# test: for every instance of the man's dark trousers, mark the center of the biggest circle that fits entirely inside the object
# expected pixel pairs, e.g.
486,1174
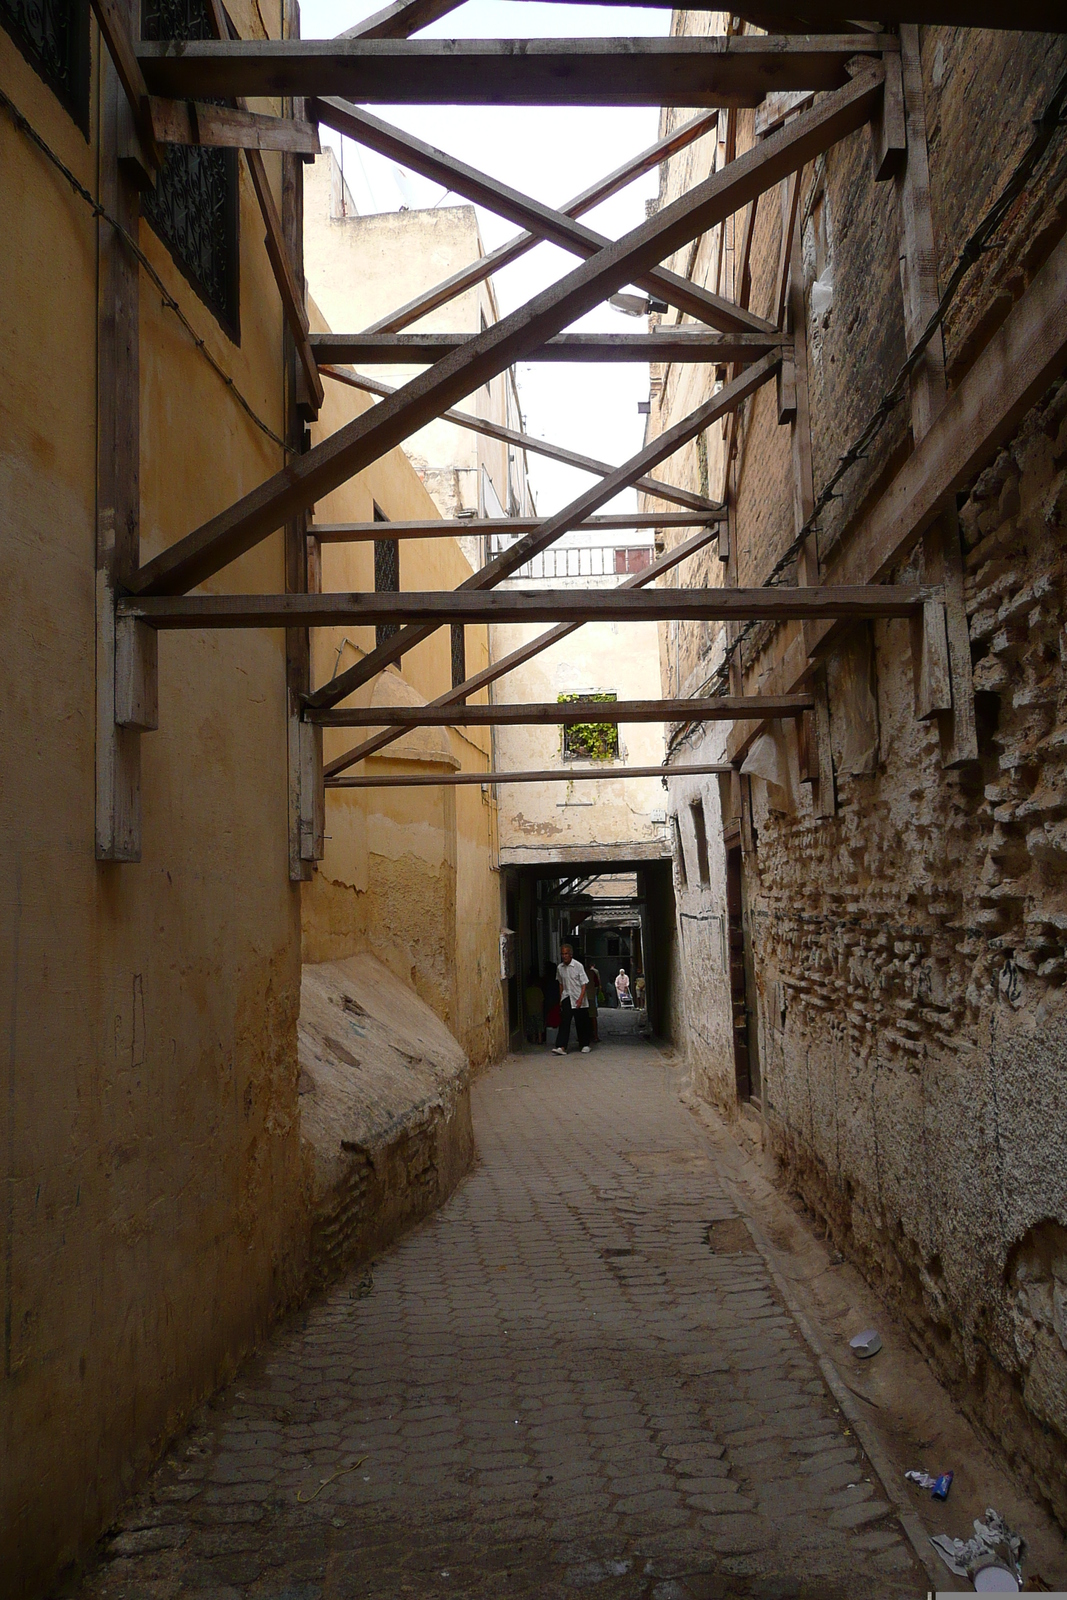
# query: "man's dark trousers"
582,1026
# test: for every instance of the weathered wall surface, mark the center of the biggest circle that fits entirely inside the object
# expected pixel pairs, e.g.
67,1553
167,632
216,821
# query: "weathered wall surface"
407,874
561,821
361,268
148,1011
384,1109
908,952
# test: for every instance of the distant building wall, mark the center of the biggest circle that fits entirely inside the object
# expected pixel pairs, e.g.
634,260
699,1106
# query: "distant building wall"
361,268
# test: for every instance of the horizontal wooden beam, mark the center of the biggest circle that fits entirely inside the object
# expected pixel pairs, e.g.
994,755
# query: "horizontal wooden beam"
670,344
500,668
227,127
309,477
810,16
518,605
456,527
543,220
476,272
553,713
714,71
448,780
530,443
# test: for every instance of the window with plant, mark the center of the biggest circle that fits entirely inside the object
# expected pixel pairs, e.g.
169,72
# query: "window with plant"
595,741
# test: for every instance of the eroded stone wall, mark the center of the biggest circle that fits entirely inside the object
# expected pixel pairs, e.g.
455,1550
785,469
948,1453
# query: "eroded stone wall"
908,953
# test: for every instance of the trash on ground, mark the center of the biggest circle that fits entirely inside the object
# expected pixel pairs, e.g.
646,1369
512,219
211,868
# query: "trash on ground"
938,1485
994,1556
866,1344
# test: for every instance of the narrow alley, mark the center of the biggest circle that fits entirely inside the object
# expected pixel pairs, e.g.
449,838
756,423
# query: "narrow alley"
533,800
575,1378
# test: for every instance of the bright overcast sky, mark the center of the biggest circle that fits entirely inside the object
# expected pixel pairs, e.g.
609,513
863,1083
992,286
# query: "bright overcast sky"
552,154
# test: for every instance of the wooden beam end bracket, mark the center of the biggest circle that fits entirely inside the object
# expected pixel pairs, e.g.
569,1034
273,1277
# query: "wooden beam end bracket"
889,140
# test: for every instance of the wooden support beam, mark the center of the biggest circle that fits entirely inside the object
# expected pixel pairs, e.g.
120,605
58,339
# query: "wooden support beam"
526,652
454,527
666,344
553,713
227,127
534,446
357,609
367,437
113,18
292,295
889,139
811,16
445,780
401,20
705,71
477,271
125,689
509,561
547,223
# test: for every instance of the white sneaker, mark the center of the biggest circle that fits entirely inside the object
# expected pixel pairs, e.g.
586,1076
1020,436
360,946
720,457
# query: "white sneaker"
585,1049
558,1052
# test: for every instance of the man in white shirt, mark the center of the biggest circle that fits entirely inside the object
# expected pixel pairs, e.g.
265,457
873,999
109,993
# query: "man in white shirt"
573,1002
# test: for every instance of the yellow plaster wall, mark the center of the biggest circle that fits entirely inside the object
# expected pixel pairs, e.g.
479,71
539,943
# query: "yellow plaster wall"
152,1190
407,873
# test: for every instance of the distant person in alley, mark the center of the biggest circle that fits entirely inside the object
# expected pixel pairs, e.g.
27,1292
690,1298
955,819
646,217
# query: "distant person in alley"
622,988
573,1002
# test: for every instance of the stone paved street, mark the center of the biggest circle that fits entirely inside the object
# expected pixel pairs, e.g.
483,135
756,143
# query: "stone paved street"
576,1380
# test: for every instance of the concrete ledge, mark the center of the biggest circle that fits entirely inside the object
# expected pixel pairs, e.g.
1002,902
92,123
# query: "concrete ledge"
384,1109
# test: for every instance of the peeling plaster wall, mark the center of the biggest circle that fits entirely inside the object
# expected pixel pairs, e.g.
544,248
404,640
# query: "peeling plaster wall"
909,953
153,1214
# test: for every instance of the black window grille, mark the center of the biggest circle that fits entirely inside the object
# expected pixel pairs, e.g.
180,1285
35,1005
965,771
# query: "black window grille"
53,35
459,654
194,205
386,576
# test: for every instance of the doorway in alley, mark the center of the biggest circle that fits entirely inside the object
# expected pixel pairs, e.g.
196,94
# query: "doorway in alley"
743,1016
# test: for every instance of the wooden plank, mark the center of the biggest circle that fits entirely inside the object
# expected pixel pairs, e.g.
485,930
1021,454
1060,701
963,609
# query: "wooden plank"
136,676
113,18
1033,16
889,139
472,606
444,780
526,652
534,446
382,137
706,71
300,752
291,293
227,127
400,20
453,527
553,713
477,271
118,499
367,437
666,344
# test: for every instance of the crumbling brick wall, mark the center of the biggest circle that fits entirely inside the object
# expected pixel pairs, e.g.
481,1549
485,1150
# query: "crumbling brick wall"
909,952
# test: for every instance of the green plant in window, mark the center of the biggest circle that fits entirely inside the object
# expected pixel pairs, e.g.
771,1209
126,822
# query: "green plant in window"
596,741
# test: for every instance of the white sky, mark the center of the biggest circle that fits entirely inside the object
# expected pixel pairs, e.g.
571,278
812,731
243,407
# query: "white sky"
552,154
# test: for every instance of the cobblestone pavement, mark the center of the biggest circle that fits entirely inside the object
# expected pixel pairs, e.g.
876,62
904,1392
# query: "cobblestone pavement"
574,1381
